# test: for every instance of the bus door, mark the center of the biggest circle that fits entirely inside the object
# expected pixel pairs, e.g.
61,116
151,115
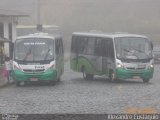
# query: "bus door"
108,55
98,54
104,56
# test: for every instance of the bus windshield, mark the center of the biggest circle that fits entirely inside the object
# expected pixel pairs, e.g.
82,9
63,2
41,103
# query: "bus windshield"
133,48
34,50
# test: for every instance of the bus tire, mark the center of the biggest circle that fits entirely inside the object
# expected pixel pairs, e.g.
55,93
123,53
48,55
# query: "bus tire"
112,76
18,83
52,82
83,71
58,79
89,76
146,80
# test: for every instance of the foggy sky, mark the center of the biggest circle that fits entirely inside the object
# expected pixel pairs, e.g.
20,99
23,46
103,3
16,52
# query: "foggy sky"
134,16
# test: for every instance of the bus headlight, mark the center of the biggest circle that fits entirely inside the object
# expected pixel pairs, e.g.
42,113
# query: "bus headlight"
151,66
120,65
50,67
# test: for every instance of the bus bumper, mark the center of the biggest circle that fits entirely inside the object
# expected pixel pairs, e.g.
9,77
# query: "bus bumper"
44,76
132,74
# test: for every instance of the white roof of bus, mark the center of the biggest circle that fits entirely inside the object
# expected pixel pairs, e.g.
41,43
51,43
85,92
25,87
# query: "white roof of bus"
39,35
109,35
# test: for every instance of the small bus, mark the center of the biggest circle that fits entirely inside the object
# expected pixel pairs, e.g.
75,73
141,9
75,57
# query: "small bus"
38,57
116,56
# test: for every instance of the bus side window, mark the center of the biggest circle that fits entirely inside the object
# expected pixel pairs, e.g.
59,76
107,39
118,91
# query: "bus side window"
98,47
74,48
81,45
75,44
61,46
57,47
104,48
110,49
86,47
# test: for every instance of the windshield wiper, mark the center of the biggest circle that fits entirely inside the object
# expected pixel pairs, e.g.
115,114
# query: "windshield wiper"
126,50
142,52
129,52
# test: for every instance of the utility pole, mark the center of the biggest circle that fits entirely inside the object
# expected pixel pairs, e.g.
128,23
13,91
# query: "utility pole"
39,24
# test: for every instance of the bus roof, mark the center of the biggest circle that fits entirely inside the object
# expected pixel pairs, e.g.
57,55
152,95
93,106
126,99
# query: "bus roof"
108,35
40,35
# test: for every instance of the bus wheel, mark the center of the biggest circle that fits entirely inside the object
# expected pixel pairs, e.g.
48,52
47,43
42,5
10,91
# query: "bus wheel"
58,79
112,77
52,82
145,80
89,76
18,83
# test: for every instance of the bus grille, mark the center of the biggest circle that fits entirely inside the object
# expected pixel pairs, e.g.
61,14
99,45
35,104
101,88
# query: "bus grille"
132,68
33,71
135,74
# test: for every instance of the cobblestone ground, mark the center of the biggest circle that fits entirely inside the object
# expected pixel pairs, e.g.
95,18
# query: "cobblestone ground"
73,94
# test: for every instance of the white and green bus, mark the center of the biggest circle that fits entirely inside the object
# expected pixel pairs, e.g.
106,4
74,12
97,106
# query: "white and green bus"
116,56
38,57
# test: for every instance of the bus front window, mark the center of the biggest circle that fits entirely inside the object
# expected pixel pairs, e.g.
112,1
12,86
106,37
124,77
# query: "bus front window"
133,48
34,50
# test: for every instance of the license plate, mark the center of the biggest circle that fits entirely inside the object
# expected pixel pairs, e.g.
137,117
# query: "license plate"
136,77
33,79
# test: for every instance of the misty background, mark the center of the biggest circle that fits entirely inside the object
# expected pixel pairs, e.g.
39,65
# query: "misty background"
132,16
